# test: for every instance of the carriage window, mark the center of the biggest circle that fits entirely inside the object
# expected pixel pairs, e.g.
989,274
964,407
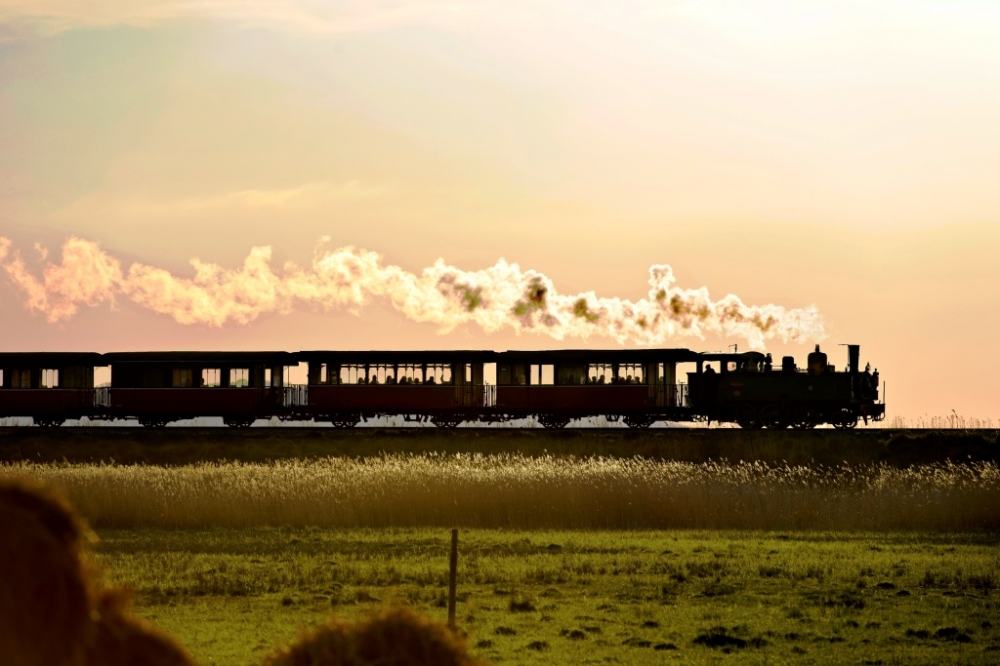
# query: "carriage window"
182,378
408,374
600,373
631,373
21,378
239,377
1,377
438,373
468,373
571,374
382,374
50,378
211,377
353,374
543,374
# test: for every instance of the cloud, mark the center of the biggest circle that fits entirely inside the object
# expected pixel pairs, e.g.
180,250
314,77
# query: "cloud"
308,195
53,16
502,296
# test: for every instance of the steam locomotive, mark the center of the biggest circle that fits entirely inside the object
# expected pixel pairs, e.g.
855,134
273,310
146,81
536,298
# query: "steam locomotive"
636,387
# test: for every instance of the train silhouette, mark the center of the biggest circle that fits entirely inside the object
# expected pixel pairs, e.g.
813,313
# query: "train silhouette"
637,387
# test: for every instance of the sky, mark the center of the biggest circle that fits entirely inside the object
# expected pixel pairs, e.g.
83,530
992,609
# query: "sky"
300,174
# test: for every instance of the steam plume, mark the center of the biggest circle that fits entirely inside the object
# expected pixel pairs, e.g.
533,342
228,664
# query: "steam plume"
493,298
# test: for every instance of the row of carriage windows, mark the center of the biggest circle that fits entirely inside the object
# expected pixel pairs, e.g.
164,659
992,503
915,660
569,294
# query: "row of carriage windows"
21,378
209,377
386,374
591,374
402,374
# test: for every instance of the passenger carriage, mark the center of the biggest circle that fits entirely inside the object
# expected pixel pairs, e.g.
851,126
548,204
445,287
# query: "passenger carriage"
48,387
444,387
159,387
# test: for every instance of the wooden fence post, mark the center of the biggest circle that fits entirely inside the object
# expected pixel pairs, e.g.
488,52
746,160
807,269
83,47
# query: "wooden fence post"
452,578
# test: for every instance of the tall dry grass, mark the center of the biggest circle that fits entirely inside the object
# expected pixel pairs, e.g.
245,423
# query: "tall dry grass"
512,491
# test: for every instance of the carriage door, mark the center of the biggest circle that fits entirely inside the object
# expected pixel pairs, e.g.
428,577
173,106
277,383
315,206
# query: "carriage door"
657,385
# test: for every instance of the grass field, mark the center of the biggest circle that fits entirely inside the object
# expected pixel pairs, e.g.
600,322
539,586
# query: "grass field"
572,597
518,492
870,559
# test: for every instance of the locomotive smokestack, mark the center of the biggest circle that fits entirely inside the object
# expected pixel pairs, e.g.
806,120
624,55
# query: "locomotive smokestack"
854,357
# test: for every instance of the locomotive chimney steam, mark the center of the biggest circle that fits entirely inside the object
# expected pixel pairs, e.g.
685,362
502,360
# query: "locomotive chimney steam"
494,298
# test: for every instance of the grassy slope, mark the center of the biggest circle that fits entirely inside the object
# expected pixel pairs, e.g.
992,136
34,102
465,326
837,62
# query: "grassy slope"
173,446
582,597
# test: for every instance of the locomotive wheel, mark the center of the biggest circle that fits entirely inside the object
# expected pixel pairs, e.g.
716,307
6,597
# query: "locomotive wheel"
641,421
845,420
798,420
552,421
772,418
746,417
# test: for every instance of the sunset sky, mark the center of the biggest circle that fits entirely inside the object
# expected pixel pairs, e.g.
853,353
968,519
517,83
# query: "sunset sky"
837,155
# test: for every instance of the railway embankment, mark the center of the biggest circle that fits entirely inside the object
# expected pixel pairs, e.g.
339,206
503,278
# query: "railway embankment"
178,446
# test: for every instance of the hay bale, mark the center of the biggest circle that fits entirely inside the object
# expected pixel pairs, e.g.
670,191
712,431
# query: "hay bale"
45,591
122,639
54,607
396,636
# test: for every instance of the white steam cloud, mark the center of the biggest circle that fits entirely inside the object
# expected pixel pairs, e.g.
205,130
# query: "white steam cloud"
498,297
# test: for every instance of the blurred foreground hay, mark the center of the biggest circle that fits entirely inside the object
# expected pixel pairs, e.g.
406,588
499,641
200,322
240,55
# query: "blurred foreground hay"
397,636
54,607
512,491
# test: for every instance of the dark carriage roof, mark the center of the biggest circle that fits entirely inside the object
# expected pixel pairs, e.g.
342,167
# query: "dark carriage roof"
48,359
730,356
203,357
397,357
601,356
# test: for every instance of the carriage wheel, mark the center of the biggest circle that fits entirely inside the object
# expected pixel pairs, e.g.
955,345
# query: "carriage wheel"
153,422
638,421
448,422
553,421
344,422
773,418
49,422
746,417
239,423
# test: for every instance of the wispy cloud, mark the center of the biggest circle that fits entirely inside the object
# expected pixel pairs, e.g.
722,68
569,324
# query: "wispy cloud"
53,16
312,194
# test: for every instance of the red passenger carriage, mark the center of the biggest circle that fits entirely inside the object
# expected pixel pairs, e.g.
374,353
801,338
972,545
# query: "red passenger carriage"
446,387
638,386
49,387
159,387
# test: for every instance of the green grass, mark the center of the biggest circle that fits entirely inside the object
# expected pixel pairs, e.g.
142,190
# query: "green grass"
582,596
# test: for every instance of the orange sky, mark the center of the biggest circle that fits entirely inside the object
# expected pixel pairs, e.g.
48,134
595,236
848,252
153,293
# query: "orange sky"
835,155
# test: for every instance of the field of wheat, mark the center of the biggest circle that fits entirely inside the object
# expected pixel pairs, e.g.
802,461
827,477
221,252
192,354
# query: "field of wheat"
520,492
